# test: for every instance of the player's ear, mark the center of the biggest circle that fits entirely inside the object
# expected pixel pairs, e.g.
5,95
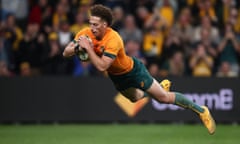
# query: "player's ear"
105,24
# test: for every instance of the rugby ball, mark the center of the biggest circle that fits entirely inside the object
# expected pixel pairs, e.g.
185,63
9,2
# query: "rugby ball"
82,54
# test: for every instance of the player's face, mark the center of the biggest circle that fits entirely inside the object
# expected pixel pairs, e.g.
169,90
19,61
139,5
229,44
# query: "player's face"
97,26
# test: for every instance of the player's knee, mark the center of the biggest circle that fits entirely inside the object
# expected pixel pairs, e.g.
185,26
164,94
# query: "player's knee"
169,98
133,100
166,98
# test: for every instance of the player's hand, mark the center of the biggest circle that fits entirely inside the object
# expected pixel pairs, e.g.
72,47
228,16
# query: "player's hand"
84,43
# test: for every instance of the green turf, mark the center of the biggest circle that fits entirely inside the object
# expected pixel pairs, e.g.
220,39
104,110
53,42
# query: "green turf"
117,134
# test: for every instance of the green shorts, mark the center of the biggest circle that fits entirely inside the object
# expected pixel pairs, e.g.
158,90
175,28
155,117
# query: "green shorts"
138,77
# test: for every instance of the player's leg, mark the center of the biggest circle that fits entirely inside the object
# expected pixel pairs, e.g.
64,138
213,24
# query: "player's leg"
133,94
158,93
172,97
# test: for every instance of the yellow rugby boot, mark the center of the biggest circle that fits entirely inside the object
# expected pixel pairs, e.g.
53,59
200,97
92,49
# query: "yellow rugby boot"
166,84
208,120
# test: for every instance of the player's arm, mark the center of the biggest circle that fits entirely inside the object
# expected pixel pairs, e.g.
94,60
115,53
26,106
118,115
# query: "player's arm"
101,63
70,49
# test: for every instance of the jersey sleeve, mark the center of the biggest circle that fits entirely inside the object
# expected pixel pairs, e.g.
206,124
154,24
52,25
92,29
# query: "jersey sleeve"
113,46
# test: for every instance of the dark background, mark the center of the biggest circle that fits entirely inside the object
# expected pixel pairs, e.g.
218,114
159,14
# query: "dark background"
74,99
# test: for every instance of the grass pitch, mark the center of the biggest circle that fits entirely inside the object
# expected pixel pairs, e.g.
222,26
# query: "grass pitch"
117,134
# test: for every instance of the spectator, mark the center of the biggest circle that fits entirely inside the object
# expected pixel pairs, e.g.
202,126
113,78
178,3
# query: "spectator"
133,48
54,63
153,41
201,64
53,45
183,30
41,14
234,19
18,7
226,10
39,11
66,4
12,35
80,23
118,14
206,8
172,3
225,70
69,9
32,48
157,21
13,32
142,15
25,69
205,40
60,14
174,66
166,11
207,25
229,48
64,34
173,44
130,31
84,6
148,25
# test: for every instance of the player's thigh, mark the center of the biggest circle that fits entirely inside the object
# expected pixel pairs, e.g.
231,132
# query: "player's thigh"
133,94
157,92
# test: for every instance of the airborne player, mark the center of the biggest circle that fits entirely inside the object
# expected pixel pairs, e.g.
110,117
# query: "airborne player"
128,74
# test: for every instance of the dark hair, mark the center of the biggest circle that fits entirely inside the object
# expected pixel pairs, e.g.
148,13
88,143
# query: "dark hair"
103,12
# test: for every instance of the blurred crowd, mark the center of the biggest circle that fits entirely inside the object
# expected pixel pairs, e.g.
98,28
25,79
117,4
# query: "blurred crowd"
198,38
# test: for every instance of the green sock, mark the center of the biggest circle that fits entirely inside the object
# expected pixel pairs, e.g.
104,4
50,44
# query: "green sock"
182,101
